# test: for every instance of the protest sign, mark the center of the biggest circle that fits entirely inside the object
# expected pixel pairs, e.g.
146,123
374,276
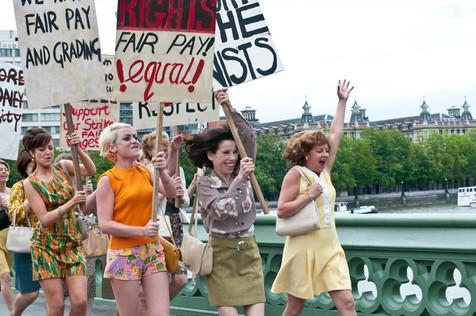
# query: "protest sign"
109,75
164,50
60,51
89,120
12,97
244,49
175,114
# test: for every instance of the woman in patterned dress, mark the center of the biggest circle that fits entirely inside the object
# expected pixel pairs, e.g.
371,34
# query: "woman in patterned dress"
134,256
56,243
314,262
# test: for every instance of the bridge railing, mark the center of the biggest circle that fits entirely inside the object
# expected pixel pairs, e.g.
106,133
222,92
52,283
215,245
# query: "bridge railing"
402,264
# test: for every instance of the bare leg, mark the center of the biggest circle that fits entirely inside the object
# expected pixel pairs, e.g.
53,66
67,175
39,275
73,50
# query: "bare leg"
157,305
77,289
54,296
22,301
127,296
294,306
344,302
89,308
7,292
227,311
254,310
177,282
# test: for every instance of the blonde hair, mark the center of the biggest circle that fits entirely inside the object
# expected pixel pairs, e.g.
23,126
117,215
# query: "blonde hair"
108,137
301,144
148,143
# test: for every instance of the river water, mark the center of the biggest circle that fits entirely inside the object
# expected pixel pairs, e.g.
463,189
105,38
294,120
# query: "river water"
433,209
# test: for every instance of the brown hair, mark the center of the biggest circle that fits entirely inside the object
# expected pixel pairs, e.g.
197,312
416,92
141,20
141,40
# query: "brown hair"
22,163
148,143
301,144
36,137
198,145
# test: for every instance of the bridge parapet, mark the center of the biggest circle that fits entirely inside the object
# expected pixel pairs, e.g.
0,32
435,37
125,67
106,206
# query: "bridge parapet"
400,264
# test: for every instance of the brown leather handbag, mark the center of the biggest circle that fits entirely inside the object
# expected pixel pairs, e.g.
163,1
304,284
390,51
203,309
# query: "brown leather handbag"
173,255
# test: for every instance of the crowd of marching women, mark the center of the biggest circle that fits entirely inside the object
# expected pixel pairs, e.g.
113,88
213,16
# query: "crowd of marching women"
137,262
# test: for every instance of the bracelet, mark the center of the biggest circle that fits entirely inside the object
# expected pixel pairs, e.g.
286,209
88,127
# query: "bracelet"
310,197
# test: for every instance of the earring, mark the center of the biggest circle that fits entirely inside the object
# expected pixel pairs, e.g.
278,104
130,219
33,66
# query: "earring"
307,157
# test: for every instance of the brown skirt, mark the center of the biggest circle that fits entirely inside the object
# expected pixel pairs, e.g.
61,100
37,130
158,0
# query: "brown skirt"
237,276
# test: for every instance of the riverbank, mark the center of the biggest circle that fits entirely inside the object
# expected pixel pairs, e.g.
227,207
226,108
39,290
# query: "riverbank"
408,199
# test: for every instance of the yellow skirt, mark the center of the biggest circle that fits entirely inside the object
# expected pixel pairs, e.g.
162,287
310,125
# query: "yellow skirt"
312,263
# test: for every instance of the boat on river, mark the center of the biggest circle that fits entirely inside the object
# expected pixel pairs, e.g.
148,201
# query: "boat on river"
466,196
341,207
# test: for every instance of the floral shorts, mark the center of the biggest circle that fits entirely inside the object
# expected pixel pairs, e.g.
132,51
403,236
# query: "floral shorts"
134,263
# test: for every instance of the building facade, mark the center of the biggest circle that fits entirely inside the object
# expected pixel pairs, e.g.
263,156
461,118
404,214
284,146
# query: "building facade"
458,121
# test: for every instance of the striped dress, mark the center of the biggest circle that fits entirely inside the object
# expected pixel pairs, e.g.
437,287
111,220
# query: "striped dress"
56,248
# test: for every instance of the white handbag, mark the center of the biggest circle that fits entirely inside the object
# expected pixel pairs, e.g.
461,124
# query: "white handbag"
304,221
197,255
19,237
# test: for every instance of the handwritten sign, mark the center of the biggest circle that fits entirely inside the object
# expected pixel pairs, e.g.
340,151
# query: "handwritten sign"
145,114
89,119
60,50
12,97
109,75
244,49
164,50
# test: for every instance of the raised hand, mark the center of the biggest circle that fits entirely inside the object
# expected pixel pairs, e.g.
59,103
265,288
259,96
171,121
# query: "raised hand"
72,139
159,161
223,98
247,167
343,90
177,140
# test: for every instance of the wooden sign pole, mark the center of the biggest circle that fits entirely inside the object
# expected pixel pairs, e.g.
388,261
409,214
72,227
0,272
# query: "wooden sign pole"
74,149
158,144
243,154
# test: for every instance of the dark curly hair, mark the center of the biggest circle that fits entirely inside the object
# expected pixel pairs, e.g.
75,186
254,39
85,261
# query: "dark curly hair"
198,145
301,144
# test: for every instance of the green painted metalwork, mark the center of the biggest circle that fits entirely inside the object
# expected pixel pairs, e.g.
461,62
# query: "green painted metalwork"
401,264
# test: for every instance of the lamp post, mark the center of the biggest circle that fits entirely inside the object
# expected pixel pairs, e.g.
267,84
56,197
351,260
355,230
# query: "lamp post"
403,188
446,185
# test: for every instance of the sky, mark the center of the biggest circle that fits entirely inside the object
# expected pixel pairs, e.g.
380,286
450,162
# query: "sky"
395,53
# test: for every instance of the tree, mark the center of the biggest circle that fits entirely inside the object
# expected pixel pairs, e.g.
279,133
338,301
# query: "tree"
270,167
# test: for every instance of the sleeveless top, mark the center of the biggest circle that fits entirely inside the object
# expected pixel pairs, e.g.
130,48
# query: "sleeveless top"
132,202
55,193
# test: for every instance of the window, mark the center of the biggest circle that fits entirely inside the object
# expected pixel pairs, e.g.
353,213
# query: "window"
24,129
17,52
30,117
50,117
5,52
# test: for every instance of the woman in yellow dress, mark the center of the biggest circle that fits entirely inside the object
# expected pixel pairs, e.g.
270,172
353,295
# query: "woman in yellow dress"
314,262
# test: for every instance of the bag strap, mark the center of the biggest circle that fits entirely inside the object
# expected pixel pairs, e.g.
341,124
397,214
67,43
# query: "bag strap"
194,219
14,222
303,174
168,226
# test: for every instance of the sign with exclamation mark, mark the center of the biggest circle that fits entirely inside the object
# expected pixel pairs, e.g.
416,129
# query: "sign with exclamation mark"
165,50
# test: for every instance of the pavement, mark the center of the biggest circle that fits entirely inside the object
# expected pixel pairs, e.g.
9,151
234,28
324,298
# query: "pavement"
100,308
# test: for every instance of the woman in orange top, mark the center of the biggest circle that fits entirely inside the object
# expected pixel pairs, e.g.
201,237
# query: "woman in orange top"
135,255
